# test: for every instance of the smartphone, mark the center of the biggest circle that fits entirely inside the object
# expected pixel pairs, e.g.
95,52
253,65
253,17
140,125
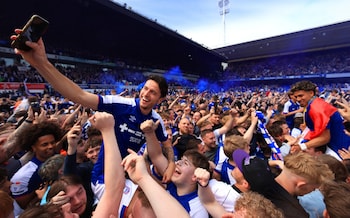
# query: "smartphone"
32,31
35,107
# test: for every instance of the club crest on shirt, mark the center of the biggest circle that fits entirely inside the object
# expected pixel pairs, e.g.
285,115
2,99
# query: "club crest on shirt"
132,118
126,189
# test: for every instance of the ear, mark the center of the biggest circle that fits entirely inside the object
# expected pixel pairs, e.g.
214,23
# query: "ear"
60,171
348,179
325,214
300,186
33,148
245,184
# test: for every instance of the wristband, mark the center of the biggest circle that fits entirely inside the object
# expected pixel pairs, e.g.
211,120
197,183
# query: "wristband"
204,186
28,121
303,146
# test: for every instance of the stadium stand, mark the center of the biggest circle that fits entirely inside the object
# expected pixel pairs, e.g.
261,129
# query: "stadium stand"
106,31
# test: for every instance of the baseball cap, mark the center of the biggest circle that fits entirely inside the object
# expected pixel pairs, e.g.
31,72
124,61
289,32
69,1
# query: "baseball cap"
239,155
254,169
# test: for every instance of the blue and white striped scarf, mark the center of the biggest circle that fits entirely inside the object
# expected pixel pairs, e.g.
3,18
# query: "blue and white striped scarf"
276,153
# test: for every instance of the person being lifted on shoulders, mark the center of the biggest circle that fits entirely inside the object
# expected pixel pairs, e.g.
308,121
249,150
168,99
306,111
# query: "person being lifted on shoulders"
129,113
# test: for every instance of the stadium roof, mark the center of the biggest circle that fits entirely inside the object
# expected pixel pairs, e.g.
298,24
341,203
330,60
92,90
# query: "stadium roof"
105,28
316,39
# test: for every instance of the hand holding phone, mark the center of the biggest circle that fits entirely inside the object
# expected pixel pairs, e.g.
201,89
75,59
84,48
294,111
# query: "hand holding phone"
35,107
32,31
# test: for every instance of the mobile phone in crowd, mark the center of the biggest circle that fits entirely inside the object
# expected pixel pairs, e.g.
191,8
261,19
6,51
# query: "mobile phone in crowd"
35,107
32,31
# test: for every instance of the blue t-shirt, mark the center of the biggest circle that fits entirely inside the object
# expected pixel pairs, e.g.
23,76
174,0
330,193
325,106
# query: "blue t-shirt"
128,118
190,202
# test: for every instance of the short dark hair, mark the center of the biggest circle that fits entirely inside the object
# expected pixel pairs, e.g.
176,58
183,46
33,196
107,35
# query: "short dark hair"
162,83
304,85
206,131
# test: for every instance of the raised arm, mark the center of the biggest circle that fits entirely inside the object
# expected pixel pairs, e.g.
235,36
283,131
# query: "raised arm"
205,194
70,161
114,172
204,118
229,123
170,207
10,146
164,165
37,58
154,149
248,135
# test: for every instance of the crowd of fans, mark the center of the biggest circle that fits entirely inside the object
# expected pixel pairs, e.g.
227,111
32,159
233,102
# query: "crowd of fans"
324,62
263,151
195,121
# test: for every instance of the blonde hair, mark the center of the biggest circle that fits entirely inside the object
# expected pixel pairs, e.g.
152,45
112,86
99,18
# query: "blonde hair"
255,205
232,143
308,167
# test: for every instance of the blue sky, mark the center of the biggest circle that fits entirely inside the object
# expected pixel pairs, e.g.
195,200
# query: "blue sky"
248,20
